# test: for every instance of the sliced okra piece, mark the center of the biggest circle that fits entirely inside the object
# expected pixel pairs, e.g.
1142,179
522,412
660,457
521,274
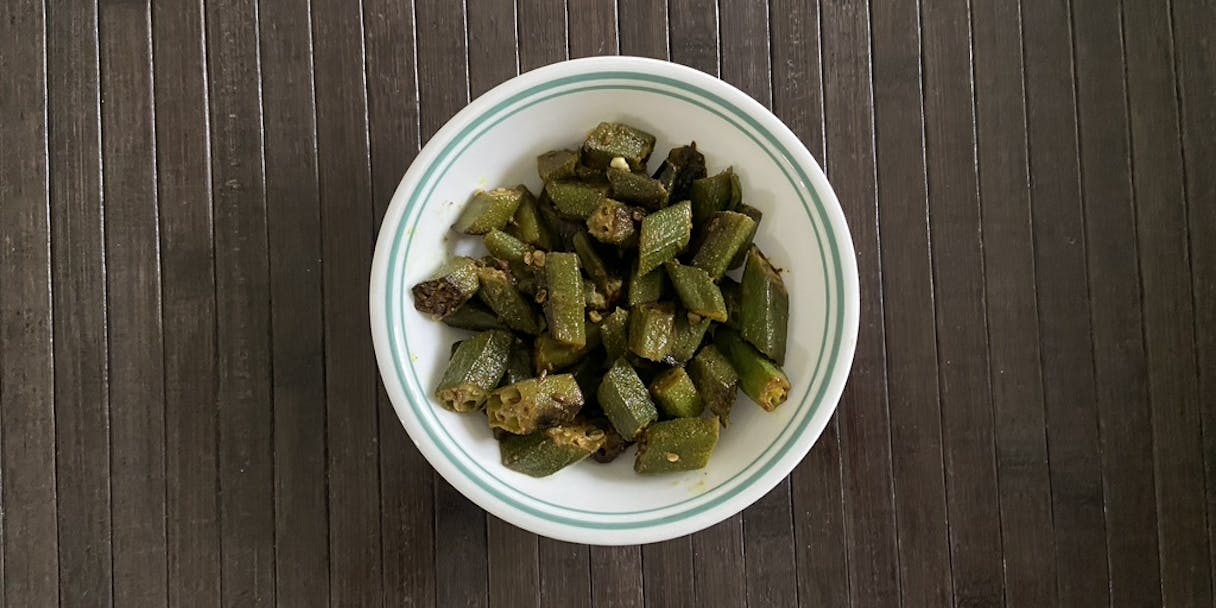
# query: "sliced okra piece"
683,166
556,164
715,380
689,333
565,306
651,328
546,452
764,312
614,332
675,394
625,400
665,233
732,295
712,194
637,188
697,291
561,229
682,444
614,444
519,364
612,222
597,270
474,316
760,378
535,403
448,289
727,234
575,200
474,370
490,209
529,226
506,247
550,355
644,288
499,293
756,216
611,139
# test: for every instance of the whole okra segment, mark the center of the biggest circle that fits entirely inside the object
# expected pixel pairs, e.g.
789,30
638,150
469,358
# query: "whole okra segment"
610,140
651,329
665,233
646,288
445,292
710,195
546,452
689,333
637,188
575,200
565,305
535,403
556,164
675,394
625,400
506,247
697,291
612,222
682,444
764,311
716,381
499,293
491,209
760,378
529,225
727,234
683,166
474,370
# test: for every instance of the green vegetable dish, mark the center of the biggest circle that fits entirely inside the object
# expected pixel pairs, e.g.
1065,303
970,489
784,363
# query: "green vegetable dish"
606,313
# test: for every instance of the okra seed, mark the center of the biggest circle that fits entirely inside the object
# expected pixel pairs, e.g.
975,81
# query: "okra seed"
673,457
595,316
619,163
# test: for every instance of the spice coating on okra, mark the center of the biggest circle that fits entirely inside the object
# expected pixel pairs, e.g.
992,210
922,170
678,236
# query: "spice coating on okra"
535,403
665,233
764,310
473,371
682,444
491,209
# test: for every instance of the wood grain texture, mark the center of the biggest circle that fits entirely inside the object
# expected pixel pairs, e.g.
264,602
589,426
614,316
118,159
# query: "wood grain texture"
296,325
592,27
616,577
82,420
514,578
565,573
183,163
642,28
542,34
1022,472
1159,182
693,34
665,574
1114,285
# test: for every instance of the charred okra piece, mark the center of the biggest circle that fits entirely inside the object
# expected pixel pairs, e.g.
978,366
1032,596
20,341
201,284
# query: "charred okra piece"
715,380
556,164
625,400
474,370
644,288
575,200
529,226
697,291
565,306
612,223
448,289
683,166
637,188
546,452
491,209
727,234
610,140
665,233
709,195
499,293
519,364
764,311
535,403
675,394
474,316
760,379
650,330
593,264
550,355
689,333
614,332
683,444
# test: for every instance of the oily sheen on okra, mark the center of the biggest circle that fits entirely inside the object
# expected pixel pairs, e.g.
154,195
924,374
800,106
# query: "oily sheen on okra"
605,313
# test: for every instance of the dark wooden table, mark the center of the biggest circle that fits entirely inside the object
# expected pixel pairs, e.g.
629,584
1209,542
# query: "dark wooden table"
189,194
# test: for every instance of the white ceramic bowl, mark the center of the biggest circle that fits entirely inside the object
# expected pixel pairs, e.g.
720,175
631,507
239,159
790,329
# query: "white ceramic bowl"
495,141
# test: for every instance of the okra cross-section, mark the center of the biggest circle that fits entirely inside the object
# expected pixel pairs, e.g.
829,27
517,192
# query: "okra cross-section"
546,452
760,378
625,400
764,311
683,444
610,140
448,289
727,234
612,223
665,233
474,369
500,294
715,380
535,403
565,304
651,329
697,291
675,394
490,209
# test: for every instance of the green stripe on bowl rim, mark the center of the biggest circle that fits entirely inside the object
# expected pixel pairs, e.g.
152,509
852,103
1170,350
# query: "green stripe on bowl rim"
396,297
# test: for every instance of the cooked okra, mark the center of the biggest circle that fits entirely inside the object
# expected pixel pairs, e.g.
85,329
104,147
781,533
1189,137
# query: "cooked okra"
474,370
764,310
682,444
625,400
553,312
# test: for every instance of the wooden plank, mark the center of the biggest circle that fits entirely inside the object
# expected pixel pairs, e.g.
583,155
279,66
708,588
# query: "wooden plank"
592,25
82,438
242,278
1063,301
665,574
1196,73
693,34
816,490
1012,312
301,521
1159,181
28,559
406,485
514,578
183,166
1114,293
565,574
137,397
541,31
958,278
720,574
916,432
493,53
642,28
864,421
616,577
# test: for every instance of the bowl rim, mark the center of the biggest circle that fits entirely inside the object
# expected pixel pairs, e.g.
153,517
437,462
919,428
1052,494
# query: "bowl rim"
832,385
